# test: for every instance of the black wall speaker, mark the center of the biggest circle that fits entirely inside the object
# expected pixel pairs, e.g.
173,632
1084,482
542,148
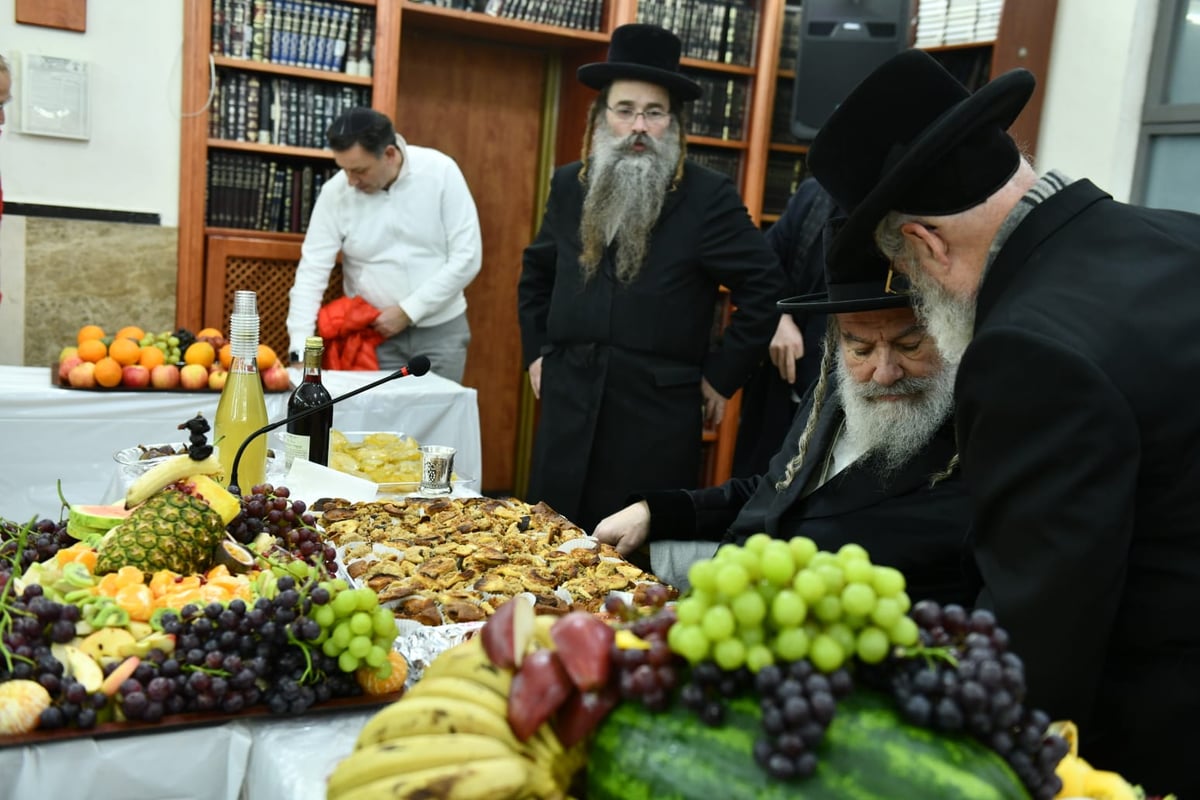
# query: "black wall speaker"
841,42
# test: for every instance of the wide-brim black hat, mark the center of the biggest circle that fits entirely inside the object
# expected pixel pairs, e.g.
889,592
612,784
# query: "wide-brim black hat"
911,138
642,53
864,282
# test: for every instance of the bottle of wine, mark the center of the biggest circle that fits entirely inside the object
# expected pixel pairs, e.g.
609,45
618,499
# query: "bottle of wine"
308,438
242,408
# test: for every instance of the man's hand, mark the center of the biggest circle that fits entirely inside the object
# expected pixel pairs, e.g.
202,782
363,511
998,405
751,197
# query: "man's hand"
391,320
627,529
714,403
787,345
535,377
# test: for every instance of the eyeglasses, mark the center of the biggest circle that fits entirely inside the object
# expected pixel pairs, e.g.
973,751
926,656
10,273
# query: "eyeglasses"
653,116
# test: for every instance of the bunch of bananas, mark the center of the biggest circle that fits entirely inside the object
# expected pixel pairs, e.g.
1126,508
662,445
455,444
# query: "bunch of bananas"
449,737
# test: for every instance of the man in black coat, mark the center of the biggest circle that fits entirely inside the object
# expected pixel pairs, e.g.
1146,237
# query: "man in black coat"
1080,321
869,459
618,292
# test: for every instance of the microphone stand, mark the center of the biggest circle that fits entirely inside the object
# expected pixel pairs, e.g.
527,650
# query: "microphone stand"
233,482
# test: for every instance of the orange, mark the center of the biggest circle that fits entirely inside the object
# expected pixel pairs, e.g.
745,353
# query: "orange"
88,332
108,372
131,332
151,357
209,332
125,351
137,599
266,357
226,356
201,353
92,350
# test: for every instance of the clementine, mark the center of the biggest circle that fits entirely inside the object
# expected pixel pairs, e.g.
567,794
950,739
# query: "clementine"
131,332
266,357
226,356
92,350
201,353
125,351
151,357
88,332
108,372
209,332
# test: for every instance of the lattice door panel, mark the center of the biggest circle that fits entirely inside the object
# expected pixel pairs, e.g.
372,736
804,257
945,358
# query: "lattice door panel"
271,279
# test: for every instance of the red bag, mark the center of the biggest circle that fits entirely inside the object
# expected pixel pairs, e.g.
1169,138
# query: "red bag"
345,325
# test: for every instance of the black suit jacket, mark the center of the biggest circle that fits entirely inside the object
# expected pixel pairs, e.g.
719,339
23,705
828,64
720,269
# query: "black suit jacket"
1080,436
902,520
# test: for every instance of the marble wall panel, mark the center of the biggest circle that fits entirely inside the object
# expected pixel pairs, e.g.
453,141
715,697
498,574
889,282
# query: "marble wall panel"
103,273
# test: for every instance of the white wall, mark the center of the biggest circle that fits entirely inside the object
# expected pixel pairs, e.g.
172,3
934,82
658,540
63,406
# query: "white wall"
1095,89
131,162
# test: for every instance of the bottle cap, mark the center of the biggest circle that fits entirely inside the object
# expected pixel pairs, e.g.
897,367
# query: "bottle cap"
314,341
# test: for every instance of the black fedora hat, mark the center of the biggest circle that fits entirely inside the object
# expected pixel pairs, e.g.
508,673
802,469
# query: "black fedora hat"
861,282
911,138
642,53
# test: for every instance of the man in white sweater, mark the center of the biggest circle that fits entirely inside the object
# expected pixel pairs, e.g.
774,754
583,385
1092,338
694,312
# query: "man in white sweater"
405,223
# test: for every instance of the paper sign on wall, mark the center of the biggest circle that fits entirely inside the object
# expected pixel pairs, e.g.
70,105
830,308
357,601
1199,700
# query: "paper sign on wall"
54,97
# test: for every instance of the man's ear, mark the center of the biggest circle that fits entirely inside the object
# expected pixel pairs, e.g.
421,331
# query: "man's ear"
929,244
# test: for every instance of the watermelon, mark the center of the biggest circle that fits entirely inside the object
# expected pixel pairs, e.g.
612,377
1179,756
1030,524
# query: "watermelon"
84,521
869,753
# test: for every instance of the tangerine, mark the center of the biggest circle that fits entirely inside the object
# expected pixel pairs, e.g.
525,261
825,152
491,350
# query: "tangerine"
201,353
88,332
210,332
266,357
151,357
226,356
91,350
125,351
108,372
131,332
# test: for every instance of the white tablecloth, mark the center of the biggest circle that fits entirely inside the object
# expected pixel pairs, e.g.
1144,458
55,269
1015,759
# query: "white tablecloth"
49,433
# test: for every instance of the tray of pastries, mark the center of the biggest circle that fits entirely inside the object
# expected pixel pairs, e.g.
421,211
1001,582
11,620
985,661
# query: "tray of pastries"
455,559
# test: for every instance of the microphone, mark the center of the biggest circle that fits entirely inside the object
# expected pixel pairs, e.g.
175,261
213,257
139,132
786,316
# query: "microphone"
417,367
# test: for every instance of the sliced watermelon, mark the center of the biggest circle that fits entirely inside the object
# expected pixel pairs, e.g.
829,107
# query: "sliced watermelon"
84,521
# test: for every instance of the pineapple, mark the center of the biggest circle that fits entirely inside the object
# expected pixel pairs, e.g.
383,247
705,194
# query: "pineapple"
172,530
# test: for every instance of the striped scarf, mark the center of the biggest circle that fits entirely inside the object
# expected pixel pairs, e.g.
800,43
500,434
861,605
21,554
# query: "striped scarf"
1047,185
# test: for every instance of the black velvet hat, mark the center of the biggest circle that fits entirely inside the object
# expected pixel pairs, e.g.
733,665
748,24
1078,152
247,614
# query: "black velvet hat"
642,53
863,282
911,138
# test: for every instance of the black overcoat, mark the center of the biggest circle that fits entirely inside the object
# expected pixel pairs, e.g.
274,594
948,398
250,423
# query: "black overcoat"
904,520
1080,436
621,369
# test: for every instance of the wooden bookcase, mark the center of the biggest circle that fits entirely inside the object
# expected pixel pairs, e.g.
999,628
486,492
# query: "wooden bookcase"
1024,39
498,95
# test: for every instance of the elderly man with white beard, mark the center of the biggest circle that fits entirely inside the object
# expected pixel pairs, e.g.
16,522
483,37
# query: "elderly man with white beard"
618,292
870,458
1078,320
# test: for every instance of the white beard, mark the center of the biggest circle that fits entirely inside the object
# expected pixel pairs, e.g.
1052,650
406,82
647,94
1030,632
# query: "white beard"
894,431
948,318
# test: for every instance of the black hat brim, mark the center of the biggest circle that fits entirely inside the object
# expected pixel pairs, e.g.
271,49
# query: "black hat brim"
822,304
601,74
997,103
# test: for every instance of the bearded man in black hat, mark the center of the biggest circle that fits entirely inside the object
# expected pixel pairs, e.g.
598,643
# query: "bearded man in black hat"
618,291
1080,321
870,457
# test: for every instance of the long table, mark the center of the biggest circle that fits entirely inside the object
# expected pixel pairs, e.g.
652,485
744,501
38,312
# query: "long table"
49,433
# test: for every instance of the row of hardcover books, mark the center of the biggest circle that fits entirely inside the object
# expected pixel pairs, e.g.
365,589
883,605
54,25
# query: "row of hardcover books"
256,193
784,173
297,33
578,14
250,108
712,30
721,109
725,161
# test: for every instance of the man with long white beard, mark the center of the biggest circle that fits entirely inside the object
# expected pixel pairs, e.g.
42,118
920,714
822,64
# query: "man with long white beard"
618,291
1078,320
870,458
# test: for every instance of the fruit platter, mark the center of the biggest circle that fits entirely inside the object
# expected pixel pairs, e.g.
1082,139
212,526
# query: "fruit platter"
134,360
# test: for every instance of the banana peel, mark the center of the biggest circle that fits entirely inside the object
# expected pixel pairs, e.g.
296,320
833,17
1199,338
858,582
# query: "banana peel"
1081,780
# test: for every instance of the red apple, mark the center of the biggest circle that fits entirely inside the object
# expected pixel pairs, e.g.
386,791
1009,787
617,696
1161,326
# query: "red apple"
83,375
135,376
216,378
194,376
67,352
507,633
538,689
164,376
119,675
583,712
66,365
584,643
276,378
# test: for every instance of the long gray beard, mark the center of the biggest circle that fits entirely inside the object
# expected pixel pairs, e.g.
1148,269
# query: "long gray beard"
950,320
892,432
625,195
